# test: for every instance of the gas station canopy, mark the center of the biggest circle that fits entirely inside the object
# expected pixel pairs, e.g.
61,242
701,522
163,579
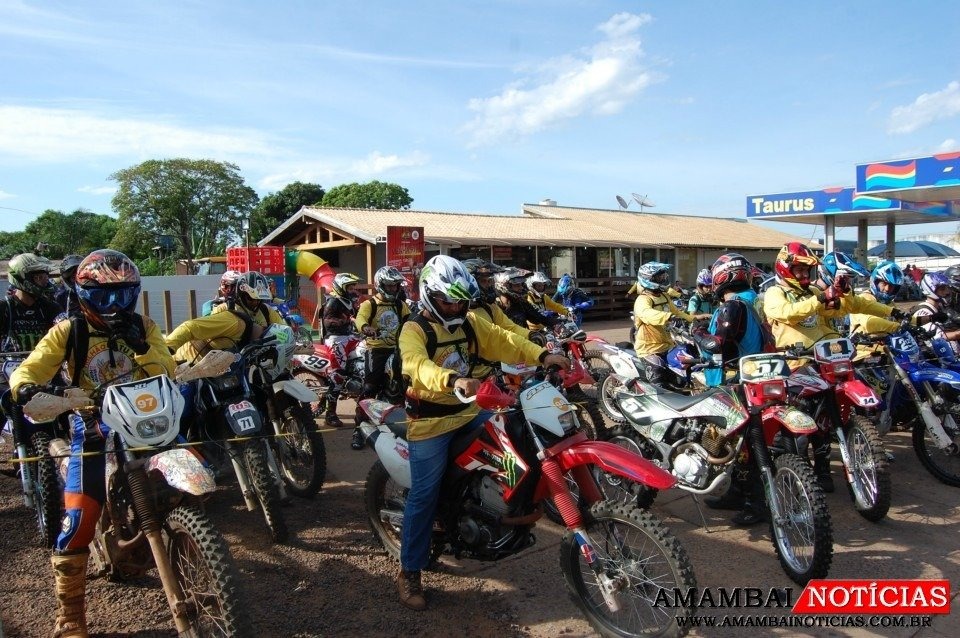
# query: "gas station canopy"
922,190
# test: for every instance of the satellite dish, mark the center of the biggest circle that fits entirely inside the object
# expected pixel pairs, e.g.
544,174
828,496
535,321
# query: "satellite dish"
643,201
623,203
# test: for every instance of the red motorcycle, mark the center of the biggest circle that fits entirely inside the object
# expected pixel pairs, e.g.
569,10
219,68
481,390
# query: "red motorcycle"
845,407
615,558
321,371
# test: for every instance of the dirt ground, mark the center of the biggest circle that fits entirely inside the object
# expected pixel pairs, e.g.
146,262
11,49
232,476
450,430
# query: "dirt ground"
333,580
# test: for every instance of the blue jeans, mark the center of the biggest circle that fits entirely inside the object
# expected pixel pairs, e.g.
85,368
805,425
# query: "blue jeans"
428,464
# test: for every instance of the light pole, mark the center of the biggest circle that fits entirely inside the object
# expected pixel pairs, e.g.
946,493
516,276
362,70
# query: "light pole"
245,224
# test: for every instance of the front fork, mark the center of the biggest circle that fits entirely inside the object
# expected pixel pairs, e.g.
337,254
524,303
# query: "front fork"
761,456
930,419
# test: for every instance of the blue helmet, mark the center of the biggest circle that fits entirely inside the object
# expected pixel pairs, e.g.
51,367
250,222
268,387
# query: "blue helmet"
838,262
565,284
889,272
933,280
653,275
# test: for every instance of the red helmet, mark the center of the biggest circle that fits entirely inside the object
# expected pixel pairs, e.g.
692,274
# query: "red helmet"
790,256
729,271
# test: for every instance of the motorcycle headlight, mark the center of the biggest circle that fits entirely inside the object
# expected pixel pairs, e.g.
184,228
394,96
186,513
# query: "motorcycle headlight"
569,421
153,428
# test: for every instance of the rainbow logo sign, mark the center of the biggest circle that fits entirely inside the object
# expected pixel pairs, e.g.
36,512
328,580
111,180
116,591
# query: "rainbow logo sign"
895,175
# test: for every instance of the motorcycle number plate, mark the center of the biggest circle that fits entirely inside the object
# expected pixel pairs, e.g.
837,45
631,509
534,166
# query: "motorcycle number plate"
314,362
233,408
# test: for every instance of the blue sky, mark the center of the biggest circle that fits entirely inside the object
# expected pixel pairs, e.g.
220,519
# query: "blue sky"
476,106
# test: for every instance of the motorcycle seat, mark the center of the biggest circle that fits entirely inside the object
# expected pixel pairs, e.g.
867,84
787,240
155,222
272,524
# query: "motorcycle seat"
681,402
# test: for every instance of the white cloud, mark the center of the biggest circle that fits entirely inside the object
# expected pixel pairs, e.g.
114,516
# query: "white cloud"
98,190
600,80
6,195
926,109
948,145
64,135
331,172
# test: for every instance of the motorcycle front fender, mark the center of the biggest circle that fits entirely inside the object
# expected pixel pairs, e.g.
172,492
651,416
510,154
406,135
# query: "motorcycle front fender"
616,460
919,375
857,393
295,389
182,470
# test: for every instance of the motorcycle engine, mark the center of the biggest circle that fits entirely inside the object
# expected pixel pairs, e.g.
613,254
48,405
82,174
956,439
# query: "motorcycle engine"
691,467
705,447
479,524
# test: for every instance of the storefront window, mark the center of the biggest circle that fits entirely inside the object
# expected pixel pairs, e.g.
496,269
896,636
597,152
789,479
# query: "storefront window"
555,262
587,265
518,256
470,252
621,262
647,255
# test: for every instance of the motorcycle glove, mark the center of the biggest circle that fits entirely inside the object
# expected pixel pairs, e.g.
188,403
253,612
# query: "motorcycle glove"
831,298
939,317
897,315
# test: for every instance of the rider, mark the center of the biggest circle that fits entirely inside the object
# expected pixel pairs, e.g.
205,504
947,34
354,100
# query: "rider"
703,299
337,322
227,282
224,331
572,298
934,308
28,310
436,415
885,282
379,319
65,294
652,310
484,305
251,295
511,297
953,276
800,313
536,286
738,327
107,285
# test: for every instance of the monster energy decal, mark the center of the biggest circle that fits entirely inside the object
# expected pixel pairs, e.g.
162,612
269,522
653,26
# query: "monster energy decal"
457,291
510,468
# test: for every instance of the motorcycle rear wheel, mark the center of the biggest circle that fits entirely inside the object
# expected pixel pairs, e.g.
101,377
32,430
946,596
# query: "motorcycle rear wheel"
385,501
205,574
300,451
599,369
588,413
943,464
47,490
803,540
316,384
870,489
268,493
641,558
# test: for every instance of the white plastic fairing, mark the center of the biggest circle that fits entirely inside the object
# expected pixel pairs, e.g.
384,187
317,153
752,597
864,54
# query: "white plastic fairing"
519,369
543,405
145,413
395,455
182,470
295,389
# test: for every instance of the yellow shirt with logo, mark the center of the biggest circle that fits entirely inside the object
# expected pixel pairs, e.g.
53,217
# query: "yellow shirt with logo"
386,320
802,318
543,304
48,358
430,377
651,313
261,318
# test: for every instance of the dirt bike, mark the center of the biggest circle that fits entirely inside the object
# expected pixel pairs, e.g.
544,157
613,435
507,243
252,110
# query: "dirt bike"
615,558
322,371
153,515
699,438
845,407
296,444
302,333
39,479
230,424
574,343
917,394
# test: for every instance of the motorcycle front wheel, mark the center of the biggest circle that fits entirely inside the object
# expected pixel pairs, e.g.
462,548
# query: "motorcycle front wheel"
317,384
205,575
47,490
609,387
300,451
599,369
803,536
268,493
944,464
639,559
869,486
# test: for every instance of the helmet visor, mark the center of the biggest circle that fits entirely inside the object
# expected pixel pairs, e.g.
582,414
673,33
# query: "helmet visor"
110,300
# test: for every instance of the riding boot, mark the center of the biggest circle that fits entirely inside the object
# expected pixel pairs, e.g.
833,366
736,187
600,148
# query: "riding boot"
330,419
411,591
754,504
821,466
70,574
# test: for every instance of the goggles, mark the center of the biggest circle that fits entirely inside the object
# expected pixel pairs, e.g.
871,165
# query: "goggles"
109,300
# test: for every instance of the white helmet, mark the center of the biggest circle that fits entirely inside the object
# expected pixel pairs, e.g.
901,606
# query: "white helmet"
444,279
145,413
541,279
386,276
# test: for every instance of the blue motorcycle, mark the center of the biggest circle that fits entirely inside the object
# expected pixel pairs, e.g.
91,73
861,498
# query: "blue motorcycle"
917,394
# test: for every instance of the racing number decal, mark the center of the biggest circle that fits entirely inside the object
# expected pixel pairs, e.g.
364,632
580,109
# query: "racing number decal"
314,362
246,423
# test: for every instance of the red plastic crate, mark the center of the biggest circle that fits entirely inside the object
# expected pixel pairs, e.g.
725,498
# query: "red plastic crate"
268,260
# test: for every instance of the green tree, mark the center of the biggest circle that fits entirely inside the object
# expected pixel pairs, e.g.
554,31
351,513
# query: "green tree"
14,243
202,203
370,195
78,233
276,208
